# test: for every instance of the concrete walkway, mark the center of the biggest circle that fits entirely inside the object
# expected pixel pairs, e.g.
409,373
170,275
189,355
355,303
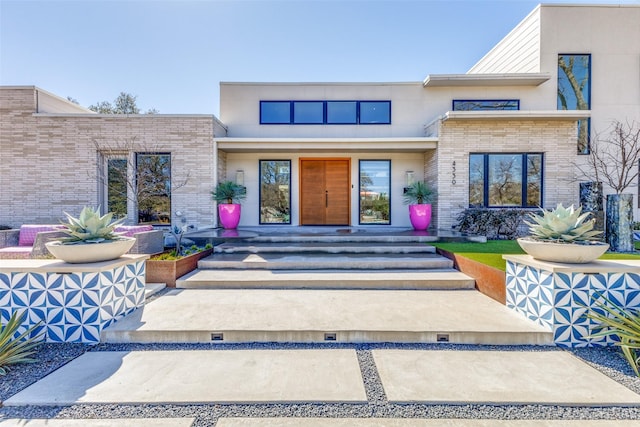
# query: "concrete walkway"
324,376
191,315
368,422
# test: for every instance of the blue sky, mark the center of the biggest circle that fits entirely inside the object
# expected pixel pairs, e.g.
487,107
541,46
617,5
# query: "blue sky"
173,54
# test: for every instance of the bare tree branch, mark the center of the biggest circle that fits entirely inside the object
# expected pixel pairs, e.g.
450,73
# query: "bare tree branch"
614,157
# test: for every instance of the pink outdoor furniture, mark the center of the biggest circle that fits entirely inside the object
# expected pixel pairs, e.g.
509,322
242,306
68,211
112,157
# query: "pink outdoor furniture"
29,241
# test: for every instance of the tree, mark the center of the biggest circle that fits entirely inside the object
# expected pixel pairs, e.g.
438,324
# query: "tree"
614,160
73,100
614,157
125,103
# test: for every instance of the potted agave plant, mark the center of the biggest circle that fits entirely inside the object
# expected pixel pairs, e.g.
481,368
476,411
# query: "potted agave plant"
563,235
91,239
419,196
228,194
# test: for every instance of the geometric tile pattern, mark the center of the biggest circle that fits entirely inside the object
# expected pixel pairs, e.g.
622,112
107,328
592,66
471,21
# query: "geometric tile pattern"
559,301
73,307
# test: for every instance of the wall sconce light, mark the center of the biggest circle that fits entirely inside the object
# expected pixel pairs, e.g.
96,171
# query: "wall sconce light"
240,178
410,178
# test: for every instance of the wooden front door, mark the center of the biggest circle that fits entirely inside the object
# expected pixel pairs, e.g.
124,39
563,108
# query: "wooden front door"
324,191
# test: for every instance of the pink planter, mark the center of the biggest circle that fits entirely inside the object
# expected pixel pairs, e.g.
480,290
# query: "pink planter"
420,216
229,215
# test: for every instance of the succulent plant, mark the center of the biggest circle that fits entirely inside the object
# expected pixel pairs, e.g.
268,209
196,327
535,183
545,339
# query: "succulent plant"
418,193
90,227
563,225
228,192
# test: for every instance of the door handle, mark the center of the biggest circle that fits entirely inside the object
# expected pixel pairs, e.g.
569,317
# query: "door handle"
326,198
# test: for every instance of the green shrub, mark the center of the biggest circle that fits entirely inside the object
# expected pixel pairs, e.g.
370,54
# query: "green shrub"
495,224
18,349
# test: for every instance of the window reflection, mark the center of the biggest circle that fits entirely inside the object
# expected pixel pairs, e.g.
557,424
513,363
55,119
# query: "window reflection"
574,91
275,194
375,187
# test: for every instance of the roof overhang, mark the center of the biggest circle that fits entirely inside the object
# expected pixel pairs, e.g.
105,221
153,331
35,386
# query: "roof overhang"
518,115
289,145
510,79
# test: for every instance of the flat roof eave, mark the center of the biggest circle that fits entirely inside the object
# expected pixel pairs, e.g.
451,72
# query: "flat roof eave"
402,144
510,79
518,115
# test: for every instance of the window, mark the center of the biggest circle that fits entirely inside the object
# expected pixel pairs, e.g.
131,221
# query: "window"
153,188
342,112
308,112
505,180
275,112
117,186
275,191
375,112
375,187
325,112
574,91
486,105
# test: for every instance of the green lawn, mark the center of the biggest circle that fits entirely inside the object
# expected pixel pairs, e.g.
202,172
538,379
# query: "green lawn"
490,253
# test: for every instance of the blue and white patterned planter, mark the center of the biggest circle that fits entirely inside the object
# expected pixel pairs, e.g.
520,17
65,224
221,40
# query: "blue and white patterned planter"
557,296
75,302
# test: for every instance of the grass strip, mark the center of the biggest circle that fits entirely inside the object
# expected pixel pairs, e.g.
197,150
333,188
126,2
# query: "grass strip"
490,253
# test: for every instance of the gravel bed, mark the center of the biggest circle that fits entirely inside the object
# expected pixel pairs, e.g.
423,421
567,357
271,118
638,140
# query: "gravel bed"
51,356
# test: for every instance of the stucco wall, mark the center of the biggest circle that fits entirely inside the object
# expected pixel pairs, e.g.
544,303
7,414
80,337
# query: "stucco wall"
50,162
458,138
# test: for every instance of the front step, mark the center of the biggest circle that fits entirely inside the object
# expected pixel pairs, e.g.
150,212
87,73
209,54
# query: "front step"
325,247
313,261
313,316
326,279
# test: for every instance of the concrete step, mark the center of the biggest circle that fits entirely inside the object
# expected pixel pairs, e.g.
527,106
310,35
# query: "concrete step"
285,315
325,247
326,279
355,237
313,261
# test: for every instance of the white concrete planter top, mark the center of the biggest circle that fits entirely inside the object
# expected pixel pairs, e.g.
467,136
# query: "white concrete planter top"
563,252
90,252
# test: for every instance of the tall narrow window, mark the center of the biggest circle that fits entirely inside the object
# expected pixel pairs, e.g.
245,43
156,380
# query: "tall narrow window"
153,188
375,191
476,180
275,191
574,91
116,194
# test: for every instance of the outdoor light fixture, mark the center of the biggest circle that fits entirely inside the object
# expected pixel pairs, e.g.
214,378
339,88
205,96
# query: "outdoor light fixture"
240,177
410,178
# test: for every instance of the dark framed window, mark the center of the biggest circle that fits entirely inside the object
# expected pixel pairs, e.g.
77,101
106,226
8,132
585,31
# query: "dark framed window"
275,191
275,112
342,112
375,192
375,112
117,188
485,104
308,112
325,112
574,91
153,188
506,179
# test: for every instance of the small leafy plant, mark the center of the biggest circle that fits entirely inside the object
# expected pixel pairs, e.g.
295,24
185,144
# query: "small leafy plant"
90,227
562,224
19,349
624,324
419,193
229,192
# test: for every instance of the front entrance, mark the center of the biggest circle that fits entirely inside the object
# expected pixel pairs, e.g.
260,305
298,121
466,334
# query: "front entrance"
324,191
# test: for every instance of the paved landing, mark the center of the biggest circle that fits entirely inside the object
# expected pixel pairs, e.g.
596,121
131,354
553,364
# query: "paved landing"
193,315
116,422
546,377
234,376
386,422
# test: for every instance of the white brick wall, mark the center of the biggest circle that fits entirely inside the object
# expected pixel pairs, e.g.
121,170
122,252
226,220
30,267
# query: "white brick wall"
50,162
556,139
